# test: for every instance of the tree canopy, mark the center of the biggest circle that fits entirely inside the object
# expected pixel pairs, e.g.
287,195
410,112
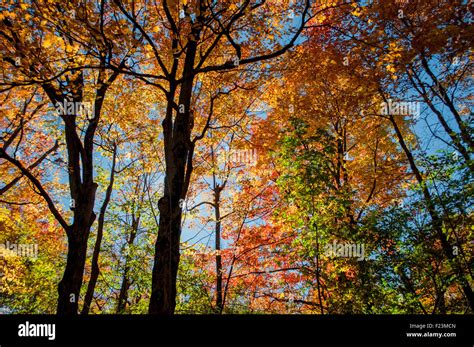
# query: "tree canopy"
236,156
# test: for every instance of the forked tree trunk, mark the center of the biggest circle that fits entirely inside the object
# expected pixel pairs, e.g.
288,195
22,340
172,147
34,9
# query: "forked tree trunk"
177,141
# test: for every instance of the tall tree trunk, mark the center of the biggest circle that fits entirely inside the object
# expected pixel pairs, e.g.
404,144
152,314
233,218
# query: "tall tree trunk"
82,188
177,145
217,213
83,191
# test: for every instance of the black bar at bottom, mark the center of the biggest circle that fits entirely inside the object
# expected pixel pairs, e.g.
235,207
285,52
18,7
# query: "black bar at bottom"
140,330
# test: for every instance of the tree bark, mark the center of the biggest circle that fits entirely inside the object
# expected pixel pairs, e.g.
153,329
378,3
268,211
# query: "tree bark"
70,285
177,146
217,213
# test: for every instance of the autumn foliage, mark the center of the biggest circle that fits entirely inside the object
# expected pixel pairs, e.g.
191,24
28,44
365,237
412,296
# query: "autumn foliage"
250,156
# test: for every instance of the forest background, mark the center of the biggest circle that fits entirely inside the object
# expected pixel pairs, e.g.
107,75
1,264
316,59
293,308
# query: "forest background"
236,156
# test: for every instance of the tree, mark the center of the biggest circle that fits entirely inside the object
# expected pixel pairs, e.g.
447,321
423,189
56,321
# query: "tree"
196,35
28,42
